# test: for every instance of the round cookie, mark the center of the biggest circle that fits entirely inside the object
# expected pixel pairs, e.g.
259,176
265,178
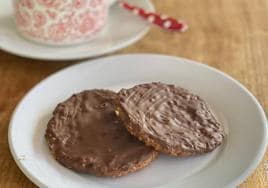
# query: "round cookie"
169,118
85,135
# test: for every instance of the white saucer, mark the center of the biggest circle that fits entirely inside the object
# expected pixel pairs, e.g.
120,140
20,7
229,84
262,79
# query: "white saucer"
121,30
239,111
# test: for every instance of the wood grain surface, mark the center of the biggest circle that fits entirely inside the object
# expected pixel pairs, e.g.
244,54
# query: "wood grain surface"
230,35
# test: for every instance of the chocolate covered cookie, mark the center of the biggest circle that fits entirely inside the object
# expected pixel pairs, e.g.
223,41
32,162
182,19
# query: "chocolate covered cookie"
85,135
170,118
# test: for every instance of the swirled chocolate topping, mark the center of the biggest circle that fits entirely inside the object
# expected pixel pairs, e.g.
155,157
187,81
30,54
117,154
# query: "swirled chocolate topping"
170,118
85,135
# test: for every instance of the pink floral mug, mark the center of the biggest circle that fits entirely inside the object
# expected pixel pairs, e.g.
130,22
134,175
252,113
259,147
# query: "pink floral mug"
60,22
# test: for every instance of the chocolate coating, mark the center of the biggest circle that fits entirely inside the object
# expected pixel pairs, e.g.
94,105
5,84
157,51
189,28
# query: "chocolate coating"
85,135
170,118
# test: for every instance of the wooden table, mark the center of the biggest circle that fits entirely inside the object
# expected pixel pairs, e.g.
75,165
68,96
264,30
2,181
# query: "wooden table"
230,35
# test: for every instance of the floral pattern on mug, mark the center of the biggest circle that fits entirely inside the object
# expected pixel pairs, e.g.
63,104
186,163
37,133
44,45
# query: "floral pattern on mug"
38,32
28,3
51,14
79,3
58,31
87,24
95,3
39,19
23,19
60,21
50,3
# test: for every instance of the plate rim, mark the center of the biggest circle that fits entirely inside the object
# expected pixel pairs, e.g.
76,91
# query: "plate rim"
237,180
112,49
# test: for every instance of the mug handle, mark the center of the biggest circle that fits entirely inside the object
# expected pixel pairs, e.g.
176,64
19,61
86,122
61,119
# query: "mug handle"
111,2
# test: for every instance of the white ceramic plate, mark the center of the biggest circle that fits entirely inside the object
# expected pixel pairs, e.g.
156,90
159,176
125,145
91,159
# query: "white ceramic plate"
238,110
121,30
